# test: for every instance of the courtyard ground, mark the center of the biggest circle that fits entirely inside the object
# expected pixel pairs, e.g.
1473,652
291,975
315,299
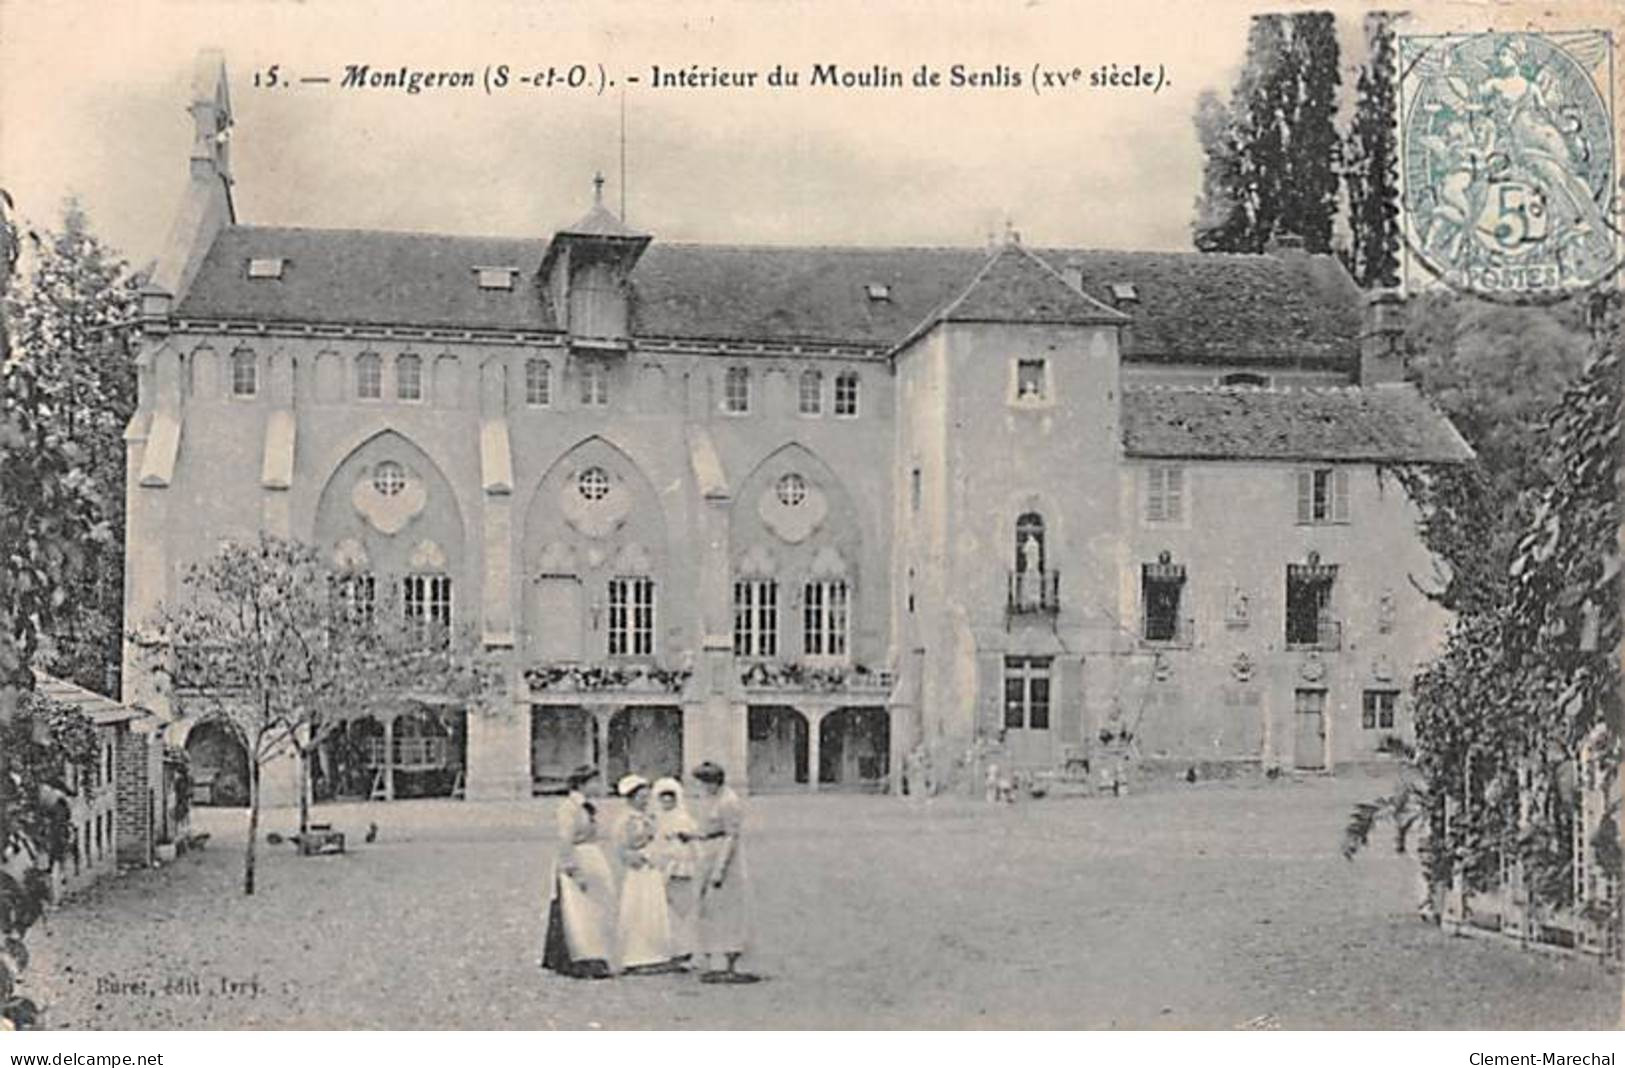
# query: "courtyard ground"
1214,905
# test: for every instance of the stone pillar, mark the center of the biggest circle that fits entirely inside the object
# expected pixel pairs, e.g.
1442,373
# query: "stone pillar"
498,756
601,715
389,757
281,430
815,720
496,480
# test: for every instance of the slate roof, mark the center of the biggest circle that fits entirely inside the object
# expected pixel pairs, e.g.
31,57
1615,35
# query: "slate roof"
1015,286
1383,424
1285,311
601,222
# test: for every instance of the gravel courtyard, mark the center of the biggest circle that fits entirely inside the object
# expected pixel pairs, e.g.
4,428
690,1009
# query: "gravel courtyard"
1215,905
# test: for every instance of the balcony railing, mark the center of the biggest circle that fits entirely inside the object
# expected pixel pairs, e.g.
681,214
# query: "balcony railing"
816,678
1034,592
1328,637
1178,633
576,677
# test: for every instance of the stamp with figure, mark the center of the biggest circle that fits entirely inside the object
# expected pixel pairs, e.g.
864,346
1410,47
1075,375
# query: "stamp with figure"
1508,157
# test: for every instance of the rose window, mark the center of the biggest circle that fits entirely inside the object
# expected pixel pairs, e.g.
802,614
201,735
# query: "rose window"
593,484
388,478
792,490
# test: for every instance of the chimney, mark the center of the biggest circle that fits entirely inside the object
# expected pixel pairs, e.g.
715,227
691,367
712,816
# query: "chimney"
1382,339
1072,271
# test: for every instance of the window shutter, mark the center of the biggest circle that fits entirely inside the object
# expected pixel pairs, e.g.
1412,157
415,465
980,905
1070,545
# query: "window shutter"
1154,505
1173,502
1340,495
1306,496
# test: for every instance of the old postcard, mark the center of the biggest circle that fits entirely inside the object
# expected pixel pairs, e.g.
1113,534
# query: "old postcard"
723,516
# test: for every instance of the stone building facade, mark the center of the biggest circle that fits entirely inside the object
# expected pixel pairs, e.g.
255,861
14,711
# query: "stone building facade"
803,510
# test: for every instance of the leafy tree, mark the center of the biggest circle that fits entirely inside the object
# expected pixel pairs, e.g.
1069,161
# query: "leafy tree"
1271,152
50,522
1371,160
1222,218
271,642
1496,370
1526,690
1309,192
70,323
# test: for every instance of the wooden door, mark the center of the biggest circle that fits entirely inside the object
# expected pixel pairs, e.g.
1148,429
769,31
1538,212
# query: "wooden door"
1309,734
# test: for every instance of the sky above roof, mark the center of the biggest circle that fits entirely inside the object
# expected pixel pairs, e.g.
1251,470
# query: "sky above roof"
93,104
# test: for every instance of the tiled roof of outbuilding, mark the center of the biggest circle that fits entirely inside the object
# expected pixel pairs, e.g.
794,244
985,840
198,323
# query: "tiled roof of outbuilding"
102,710
1382,424
1287,310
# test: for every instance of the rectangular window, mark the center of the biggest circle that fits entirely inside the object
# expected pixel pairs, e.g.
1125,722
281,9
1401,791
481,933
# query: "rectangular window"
426,603
594,384
409,378
1161,586
358,596
914,489
538,383
736,390
1323,495
1165,494
1026,693
810,399
756,617
244,373
1377,710
846,394
1030,380
369,376
1308,606
824,618
631,616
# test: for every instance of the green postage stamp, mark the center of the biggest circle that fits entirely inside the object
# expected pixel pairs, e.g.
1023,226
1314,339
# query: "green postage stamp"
1510,185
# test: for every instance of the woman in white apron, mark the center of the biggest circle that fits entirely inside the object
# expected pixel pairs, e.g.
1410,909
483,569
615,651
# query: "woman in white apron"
642,932
581,892
676,844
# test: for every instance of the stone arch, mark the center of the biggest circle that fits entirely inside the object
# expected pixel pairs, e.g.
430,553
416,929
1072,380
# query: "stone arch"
793,509
418,528
577,538
777,747
219,762
854,747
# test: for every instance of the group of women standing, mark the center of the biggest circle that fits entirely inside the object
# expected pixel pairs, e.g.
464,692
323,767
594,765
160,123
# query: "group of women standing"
675,893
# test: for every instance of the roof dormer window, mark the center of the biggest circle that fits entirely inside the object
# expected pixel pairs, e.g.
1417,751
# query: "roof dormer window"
495,277
1124,293
266,267
878,291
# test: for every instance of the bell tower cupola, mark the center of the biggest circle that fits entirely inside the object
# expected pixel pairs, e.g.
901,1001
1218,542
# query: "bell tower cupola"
587,272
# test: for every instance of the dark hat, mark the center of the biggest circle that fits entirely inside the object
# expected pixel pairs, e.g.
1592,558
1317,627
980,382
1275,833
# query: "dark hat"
711,772
582,774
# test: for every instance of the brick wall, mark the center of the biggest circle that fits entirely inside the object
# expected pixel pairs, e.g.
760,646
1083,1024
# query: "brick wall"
135,790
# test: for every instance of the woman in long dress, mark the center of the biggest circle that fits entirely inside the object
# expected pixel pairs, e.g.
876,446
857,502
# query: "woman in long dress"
676,844
581,892
725,890
642,931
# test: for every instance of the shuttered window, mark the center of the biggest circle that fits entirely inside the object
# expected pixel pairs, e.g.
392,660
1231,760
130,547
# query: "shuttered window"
1323,495
1165,495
